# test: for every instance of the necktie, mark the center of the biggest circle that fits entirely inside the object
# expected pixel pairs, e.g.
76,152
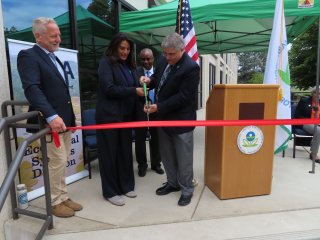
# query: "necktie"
58,66
163,79
151,95
53,58
151,92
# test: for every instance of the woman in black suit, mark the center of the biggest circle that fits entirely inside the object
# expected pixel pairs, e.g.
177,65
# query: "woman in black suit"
116,102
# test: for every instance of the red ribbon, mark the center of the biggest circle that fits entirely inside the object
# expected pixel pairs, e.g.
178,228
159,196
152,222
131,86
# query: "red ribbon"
192,123
56,140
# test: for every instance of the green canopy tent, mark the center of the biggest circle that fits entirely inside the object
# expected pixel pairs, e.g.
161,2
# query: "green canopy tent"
223,25
220,25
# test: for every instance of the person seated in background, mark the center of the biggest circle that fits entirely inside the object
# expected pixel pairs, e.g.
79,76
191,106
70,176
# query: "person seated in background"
306,109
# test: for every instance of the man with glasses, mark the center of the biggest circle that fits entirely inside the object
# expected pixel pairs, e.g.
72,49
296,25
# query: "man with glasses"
175,82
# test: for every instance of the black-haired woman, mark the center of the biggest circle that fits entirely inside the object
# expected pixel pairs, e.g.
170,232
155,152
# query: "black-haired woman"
118,92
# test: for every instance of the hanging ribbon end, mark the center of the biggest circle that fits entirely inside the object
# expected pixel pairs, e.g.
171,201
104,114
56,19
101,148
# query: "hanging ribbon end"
56,140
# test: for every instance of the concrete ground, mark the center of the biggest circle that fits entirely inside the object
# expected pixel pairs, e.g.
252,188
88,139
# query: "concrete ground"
291,211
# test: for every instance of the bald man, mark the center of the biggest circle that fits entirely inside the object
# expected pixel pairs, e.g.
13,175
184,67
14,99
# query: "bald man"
146,69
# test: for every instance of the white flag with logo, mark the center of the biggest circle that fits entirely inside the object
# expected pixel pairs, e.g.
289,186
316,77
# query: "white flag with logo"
277,72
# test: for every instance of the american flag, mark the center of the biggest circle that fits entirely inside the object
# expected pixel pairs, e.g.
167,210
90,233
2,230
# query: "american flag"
184,27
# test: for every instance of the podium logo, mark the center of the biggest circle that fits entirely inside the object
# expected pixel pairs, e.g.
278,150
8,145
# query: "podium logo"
250,139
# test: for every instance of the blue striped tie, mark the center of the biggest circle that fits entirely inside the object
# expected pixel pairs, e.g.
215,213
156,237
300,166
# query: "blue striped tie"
163,79
60,69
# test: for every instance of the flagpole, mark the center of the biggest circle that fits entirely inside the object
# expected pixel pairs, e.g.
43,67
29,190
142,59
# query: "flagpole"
317,94
281,30
179,17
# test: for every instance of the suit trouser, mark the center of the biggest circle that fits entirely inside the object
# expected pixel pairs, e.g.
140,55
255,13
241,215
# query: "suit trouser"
177,158
140,147
115,161
309,128
58,158
140,141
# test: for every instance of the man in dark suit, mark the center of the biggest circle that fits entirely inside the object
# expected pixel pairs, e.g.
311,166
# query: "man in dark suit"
46,88
146,69
176,82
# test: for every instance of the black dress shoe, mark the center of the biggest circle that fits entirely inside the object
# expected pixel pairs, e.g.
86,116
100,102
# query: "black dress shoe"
166,189
158,170
142,172
184,200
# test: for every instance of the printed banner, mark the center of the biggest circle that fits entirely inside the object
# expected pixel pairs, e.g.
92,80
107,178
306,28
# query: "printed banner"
305,3
31,166
277,72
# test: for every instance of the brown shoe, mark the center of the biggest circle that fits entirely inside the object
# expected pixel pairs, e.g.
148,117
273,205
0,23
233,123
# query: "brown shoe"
62,211
73,205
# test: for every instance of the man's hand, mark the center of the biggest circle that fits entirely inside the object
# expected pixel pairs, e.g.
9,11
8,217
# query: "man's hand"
152,108
140,92
144,79
57,125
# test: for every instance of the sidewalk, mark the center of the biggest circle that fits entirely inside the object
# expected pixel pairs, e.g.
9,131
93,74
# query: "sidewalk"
291,211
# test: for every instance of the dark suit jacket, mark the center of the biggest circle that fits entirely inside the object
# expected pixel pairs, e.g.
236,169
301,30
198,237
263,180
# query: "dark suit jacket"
304,108
140,71
141,115
177,98
43,85
116,101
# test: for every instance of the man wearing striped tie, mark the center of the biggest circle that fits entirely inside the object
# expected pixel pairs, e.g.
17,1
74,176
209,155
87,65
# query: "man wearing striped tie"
147,69
175,82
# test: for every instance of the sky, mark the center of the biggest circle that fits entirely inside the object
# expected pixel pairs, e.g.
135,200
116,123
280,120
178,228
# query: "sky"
20,14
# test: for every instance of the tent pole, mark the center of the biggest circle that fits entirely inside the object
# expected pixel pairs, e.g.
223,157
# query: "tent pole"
317,93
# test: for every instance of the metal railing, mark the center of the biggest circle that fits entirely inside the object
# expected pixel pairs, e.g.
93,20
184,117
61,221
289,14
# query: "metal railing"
8,184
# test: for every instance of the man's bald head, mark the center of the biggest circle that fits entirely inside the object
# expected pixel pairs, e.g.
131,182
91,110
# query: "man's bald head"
146,58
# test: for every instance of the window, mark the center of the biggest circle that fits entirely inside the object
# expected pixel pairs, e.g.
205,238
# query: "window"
95,30
212,76
95,27
18,15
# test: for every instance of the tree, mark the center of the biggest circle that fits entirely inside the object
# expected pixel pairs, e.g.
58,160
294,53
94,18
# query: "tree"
249,64
303,59
13,29
256,78
103,9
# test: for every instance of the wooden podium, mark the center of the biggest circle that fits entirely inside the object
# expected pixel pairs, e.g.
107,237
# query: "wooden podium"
231,171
